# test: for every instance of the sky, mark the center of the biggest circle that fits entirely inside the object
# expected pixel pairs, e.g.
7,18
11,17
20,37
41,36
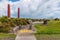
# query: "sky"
31,8
14,0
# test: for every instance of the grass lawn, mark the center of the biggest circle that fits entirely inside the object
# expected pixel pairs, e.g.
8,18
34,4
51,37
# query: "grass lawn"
2,35
51,31
47,36
51,27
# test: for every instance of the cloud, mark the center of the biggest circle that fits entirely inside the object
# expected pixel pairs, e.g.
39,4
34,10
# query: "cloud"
32,8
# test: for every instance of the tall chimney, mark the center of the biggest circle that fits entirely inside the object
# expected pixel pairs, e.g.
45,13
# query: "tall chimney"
8,10
18,12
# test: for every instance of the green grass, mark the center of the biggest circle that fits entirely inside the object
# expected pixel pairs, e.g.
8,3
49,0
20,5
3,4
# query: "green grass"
50,28
51,31
47,36
2,35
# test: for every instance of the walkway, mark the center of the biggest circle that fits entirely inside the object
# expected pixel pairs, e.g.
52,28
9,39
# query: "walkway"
27,36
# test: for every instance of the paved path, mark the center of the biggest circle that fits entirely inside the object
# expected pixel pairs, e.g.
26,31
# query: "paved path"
37,22
26,37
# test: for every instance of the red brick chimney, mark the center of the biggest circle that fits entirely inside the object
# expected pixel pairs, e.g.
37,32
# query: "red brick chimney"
8,10
18,12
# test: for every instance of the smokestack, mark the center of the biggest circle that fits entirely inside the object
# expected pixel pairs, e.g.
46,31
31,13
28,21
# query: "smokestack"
8,10
18,12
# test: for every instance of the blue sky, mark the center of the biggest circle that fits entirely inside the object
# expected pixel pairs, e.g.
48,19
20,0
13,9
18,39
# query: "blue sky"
13,0
32,8
0,0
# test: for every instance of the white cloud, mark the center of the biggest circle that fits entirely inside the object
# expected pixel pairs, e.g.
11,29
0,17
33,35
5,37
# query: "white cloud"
32,8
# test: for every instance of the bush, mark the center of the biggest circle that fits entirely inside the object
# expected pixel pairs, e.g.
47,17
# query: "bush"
56,19
24,22
6,24
4,30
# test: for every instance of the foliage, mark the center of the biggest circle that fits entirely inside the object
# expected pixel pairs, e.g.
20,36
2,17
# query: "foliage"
56,19
6,24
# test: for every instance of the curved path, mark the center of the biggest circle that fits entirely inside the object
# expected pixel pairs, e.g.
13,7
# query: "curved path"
27,36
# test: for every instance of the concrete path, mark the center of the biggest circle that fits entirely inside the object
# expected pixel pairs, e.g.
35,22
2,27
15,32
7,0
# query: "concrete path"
26,37
37,22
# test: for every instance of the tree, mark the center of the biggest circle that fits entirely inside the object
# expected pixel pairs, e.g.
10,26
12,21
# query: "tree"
56,19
